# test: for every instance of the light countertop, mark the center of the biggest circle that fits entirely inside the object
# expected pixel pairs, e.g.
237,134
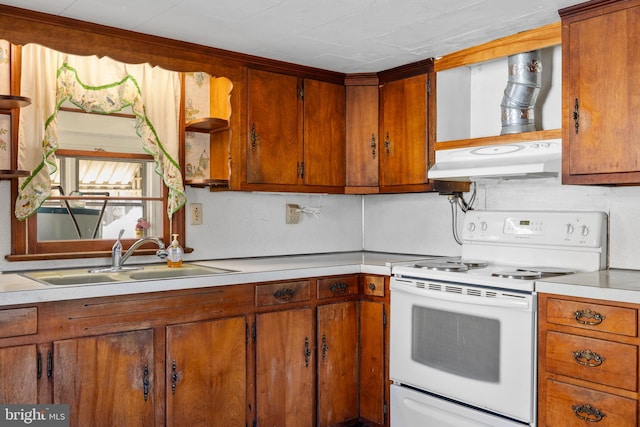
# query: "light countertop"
17,289
613,285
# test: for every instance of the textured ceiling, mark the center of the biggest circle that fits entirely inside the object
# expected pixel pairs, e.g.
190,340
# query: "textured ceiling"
349,36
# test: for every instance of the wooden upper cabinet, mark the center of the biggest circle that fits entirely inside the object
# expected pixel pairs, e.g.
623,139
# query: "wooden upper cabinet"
362,141
296,131
324,133
273,137
403,132
601,92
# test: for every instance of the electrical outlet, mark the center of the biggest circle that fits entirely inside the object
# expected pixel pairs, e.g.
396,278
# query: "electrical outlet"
195,213
293,214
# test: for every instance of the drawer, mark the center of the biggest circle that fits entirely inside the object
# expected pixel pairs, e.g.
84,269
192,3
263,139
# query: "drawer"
599,361
337,286
18,321
595,317
373,285
572,406
281,293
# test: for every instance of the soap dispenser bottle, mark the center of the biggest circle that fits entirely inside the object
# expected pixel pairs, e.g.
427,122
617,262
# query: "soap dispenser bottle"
174,253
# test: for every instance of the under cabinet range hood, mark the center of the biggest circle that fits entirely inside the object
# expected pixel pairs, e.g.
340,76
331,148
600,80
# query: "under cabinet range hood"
520,160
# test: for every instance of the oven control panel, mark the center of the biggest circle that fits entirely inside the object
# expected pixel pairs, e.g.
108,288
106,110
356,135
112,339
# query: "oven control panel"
554,228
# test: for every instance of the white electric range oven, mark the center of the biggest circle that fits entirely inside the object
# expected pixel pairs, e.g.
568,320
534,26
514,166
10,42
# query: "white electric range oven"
463,329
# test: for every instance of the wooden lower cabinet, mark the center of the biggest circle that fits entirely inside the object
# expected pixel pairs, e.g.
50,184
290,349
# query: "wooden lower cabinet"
107,380
372,362
587,362
285,368
19,374
314,356
206,371
337,344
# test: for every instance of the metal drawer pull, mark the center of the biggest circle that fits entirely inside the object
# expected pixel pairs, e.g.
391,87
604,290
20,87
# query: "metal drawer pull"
339,288
372,286
307,352
588,314
586,412
588,358
325,347
284,294
145,382
174,376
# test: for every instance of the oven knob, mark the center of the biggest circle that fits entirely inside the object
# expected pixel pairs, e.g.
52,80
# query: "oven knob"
483,226
568,229
471,226
584,231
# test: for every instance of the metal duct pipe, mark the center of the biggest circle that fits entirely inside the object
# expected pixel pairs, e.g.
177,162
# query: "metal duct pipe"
521,93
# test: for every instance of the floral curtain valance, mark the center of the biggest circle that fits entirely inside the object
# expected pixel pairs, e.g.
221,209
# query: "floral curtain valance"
100,85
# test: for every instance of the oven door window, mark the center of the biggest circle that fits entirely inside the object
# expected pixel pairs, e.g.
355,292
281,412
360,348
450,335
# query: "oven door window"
456,343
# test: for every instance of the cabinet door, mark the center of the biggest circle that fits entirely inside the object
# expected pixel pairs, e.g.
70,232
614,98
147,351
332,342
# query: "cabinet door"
106,380
372,362
274,136
206,373
337,363
285,368
324,133
363,145
602,96
403,131
19,375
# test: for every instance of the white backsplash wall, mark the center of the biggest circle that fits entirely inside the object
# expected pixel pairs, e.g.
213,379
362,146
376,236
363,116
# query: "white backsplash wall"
421,223
238,224
622,204
417,223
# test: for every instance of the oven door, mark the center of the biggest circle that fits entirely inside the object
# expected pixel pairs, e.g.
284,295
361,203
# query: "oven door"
469,344
412,408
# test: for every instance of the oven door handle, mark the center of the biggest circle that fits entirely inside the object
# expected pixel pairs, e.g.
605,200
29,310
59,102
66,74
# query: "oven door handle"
523,303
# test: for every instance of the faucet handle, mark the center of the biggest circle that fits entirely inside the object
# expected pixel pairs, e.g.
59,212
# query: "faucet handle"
118,245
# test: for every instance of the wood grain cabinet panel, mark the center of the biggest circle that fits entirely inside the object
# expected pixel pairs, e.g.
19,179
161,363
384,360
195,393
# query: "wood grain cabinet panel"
282,293
337,344
403,132
273,138
18,321
591,359
373,285
206,371
19,375
601,92
572,406
285,368
106,379
337,286
606,318
587,362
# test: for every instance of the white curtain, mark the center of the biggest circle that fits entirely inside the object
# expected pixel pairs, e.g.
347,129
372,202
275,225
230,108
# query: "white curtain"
100,85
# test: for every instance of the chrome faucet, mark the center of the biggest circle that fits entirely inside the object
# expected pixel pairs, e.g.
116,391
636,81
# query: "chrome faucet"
118,259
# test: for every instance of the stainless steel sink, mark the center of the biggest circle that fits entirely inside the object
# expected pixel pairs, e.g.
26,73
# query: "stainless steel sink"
146,272
168,273
75,279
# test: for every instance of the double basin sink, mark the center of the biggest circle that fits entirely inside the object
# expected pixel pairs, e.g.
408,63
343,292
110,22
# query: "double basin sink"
147,272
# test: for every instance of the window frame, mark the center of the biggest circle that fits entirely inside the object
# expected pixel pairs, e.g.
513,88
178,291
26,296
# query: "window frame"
24,242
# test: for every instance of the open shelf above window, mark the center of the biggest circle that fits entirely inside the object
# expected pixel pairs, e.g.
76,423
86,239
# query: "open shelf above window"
9,102
12,174
207,125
